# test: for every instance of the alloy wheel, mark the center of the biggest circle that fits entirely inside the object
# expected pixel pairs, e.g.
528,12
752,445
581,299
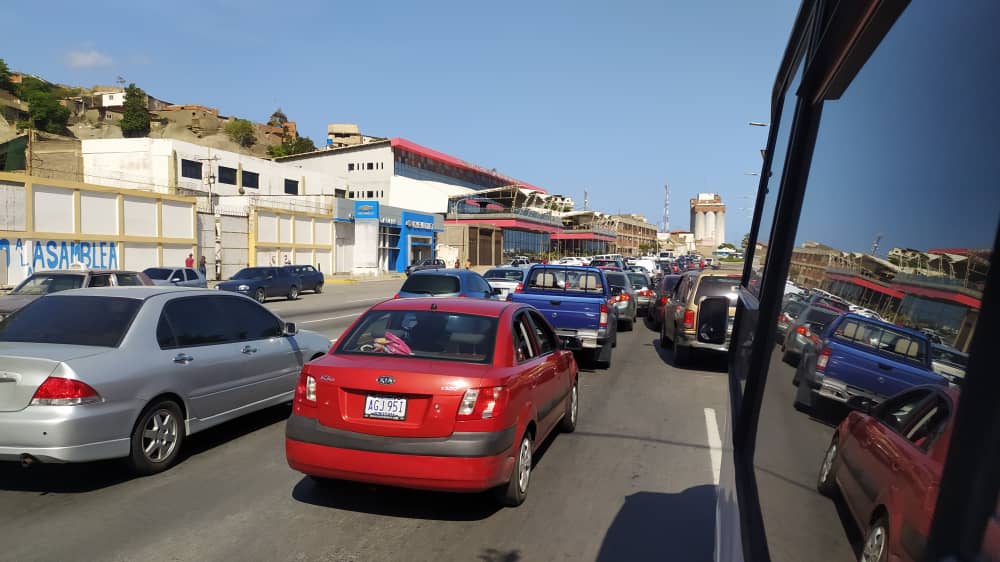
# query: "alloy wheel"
159,436
573,405
824,471
874,545
524,465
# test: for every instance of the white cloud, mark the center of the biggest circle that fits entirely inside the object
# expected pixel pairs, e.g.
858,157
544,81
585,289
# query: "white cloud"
87,58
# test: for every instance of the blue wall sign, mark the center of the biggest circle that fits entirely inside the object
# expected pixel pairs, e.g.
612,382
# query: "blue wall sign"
366,210
31,255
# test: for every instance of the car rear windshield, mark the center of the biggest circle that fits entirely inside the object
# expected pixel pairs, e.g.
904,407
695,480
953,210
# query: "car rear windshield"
818,318
669,283
251,273
879,338
949,356
639,281
75,320
793,308
431,285
423,334
505,274
44,284
569,280
616,279
713,286
158,273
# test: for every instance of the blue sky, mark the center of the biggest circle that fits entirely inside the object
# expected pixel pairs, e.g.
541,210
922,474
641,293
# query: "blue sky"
615,97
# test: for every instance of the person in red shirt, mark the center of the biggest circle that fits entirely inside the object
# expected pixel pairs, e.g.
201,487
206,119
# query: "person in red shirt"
189,262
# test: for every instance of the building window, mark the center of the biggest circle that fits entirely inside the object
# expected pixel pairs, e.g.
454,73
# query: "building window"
251,179
191,169
370,194
340,193
227,175
350,167
291,187
371,166
350,195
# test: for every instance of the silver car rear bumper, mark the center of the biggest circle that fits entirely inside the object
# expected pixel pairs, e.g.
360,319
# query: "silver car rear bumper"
68,433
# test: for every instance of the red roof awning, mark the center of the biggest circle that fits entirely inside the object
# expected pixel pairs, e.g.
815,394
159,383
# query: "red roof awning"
415,148
510,223
569,235
861,282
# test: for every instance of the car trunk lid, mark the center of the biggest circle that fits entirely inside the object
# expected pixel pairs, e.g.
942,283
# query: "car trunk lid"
392,396
25,366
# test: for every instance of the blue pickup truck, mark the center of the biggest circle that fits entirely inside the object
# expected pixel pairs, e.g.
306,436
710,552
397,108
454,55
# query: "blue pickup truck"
574,300
862,357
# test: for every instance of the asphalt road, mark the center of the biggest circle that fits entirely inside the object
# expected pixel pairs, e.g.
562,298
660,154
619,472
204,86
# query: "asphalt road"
634,482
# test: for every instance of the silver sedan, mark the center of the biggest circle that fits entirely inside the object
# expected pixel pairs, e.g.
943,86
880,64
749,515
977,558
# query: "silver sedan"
93,374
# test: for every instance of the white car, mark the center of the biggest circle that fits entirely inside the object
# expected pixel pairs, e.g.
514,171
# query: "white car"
570,261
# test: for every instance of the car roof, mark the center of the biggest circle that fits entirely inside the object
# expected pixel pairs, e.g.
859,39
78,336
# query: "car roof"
449,271
480,307
132,292
81,271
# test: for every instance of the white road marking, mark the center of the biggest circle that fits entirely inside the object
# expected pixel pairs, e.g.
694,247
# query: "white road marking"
330,318
714,443
372,299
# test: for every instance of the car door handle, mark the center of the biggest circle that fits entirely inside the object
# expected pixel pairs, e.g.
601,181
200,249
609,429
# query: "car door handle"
884,366
183,358
555,303
248,350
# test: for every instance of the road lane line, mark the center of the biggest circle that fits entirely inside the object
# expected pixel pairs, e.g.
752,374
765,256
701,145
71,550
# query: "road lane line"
373,299
330,318
714,443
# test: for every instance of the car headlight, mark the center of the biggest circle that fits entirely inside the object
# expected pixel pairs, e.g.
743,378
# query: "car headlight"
243,288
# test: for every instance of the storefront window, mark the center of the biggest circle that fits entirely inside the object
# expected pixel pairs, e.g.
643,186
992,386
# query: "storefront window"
899,205
525,243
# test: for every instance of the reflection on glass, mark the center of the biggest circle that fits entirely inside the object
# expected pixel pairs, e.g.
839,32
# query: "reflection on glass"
883,295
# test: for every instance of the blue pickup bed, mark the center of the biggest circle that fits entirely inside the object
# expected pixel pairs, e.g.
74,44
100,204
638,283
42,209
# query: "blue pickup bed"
575,301
859,356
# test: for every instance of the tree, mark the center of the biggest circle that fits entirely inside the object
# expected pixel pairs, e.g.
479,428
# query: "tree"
135,116
5,83
725,245
278,118
746,241
290,146
45,113
241,132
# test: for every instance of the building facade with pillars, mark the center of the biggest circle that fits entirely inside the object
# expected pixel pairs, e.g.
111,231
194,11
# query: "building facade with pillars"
584,234
708,220
633,235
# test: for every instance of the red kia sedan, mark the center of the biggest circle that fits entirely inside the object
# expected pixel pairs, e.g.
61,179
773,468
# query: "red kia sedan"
886,461
439,394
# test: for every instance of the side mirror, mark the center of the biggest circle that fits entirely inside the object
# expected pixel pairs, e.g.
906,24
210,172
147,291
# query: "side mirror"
290,329
713,320
861,404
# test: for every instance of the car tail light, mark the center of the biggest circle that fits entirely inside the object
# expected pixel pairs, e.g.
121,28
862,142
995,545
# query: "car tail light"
663,301
396,296
604,316
823,359
688,319
482,403
624,297
57,391
305,390
783,318
519,288
804,330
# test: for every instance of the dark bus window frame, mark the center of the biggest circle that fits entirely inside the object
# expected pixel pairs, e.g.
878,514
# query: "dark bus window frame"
836,39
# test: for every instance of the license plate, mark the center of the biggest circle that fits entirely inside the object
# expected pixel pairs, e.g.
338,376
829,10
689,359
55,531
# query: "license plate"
385,408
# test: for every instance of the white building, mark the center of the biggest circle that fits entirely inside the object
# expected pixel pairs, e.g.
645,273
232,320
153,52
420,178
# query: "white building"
708,220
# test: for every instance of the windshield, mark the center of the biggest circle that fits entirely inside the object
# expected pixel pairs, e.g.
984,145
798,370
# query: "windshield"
616,279
505,274
951,356
712,286
639,281
45,283
251,273
158,273
431,285
58,320
423,334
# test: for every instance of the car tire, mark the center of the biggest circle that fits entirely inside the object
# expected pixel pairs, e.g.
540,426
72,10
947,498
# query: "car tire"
260,295
293,293
318,288
826,482
568,422
875,546
788,358
516,490
664,341
603,364
682,353
156,438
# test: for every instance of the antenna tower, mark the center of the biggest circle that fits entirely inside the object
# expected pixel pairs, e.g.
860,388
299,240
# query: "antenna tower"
665,225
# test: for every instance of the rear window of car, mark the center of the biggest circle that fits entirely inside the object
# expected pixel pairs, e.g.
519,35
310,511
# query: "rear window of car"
569,280
129,280
505,274
712,286
949,356
818,318
57,320
431,285
880,338
423,334
793,308
669,283
617,279
638,280
158,273
44,284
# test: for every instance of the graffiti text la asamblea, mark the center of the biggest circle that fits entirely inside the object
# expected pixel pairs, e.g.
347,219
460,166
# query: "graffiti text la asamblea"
53,254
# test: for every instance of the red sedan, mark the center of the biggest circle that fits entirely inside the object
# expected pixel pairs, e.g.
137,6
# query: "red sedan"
886,461
437,394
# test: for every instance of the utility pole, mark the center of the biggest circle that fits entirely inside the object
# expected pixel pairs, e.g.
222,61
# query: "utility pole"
665,225
210,179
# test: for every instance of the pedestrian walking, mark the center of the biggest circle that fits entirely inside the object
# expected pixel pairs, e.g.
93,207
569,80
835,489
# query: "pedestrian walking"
468,264
458,264
189,262
203,266
287,261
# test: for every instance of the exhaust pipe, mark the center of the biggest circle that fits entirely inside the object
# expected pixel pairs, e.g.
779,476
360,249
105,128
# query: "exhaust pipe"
28,460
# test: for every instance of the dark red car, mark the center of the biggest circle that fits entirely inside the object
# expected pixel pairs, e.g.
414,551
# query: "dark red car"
439,394
886,462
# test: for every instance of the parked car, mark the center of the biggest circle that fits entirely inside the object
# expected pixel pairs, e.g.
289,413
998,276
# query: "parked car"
41,283
662,295
364,412
506,279
790,310
570,261
576,301
641,284
614,263
948,362
176,276
680,314
886,463
446,283
420,265
859,356
521,262
806,329
312,279
262,283
625,301
132,371
826,299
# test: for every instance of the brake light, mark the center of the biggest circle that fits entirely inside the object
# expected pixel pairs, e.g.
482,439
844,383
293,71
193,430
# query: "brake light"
688,319
58,391
519,288
482,403
823,359
624,297
396,296
803,330
604,316
305,390
783,318
663,300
